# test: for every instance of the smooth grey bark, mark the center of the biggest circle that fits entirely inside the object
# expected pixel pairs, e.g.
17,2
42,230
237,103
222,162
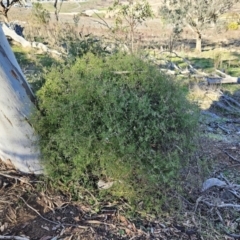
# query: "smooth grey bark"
18,141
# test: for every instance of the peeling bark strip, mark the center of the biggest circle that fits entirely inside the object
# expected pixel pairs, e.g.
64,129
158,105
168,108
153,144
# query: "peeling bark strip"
18,76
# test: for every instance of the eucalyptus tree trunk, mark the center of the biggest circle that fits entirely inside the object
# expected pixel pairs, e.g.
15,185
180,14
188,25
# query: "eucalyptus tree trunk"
17,138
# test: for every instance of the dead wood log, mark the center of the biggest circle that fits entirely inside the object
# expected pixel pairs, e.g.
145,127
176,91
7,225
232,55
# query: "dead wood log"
217,118
224,79
26,44
190,67
226,107
219,80
234,108
223,129
223,106
210,114
230,99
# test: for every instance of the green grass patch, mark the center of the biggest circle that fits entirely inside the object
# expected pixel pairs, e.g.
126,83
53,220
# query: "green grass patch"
34,64
204,64
22,55
231,88
235,72
208,61
178,61
30,58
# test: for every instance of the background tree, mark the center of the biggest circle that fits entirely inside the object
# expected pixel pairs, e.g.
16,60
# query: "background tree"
196,14
129,15
6,5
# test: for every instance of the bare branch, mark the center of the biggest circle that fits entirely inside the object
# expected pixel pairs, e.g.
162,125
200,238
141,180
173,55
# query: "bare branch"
224,205
233,235
104,23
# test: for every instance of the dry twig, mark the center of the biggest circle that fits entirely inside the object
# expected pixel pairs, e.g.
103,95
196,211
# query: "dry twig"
223,205
235,236
230,156
56,223
23,180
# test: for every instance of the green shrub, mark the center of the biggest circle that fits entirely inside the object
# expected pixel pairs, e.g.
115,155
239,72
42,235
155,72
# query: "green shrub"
85,45
232,26
117,119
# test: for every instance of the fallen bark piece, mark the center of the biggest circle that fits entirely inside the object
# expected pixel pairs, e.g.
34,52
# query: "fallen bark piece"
13,237
230,99
212,182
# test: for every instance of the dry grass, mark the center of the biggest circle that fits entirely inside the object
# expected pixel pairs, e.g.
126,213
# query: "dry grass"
203,96
66,7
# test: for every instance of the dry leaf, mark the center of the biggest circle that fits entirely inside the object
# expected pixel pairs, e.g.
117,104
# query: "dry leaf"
45,237
56,227
24,180
45,227
123,220
76,218
211,182
104,185
128,232
2,227
11,214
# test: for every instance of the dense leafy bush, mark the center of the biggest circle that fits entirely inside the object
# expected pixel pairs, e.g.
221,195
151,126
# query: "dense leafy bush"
84,45
116,119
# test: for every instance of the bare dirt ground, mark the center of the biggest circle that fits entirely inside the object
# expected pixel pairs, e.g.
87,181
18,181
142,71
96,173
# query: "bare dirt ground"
31,209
